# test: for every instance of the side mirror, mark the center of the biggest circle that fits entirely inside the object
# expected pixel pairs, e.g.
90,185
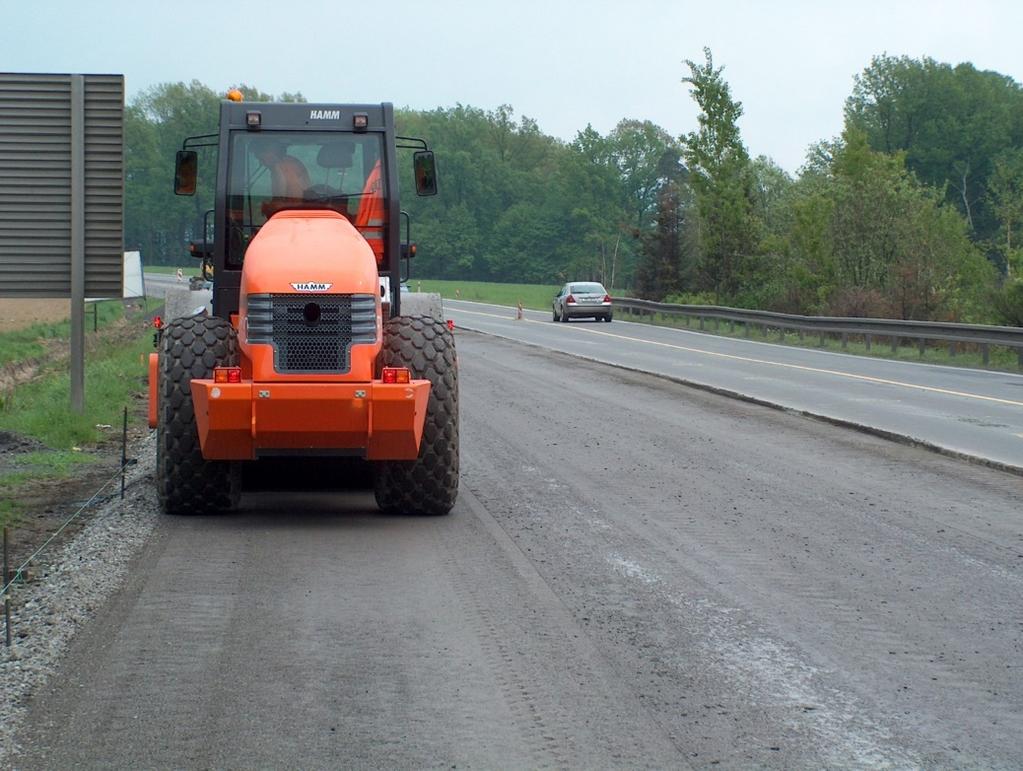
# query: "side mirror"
200,249
425,171
186,169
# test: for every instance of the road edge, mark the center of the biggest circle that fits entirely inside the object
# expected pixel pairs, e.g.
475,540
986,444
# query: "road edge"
864,428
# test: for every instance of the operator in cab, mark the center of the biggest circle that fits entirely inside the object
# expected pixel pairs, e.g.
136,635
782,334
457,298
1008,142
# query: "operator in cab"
289,178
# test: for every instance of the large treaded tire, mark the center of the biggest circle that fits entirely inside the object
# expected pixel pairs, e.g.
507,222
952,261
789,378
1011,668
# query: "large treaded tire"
186,482
429,484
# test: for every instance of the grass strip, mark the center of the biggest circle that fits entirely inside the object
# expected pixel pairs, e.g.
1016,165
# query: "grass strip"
186,270
114,374
30,342
533,296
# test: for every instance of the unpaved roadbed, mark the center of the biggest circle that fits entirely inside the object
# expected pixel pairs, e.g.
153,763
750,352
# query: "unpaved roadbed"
48,611
636,575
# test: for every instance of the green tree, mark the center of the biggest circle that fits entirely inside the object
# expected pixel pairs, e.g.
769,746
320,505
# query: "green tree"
722,180
951,123
894,247
1005,194
667,260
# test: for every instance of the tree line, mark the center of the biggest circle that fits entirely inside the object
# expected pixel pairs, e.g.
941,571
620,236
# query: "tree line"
914,212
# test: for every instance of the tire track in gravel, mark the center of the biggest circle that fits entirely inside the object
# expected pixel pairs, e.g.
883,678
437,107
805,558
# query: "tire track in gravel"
548,667
824,597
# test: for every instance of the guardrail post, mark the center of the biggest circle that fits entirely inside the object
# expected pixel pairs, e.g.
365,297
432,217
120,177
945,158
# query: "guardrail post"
731,326
845,340
952,348
701,323
746,324
866,339
922,346
985,353
1019,357
821,344
895,344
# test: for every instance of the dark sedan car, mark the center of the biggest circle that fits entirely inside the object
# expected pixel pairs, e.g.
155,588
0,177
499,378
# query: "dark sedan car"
582,300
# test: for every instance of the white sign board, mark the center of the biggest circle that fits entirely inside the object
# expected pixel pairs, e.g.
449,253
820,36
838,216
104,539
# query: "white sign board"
133,285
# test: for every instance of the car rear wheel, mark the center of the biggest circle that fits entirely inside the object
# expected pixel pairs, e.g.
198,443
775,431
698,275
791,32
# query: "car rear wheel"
564,316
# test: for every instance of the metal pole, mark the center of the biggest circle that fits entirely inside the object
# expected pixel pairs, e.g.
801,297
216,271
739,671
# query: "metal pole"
78,244
124,450
7,595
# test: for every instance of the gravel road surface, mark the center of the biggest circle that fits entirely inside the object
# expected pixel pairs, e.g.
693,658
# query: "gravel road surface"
636,574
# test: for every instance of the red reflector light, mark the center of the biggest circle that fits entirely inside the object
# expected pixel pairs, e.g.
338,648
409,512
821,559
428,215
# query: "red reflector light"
451,325
607,298
570,300
227,374
157,322
393,375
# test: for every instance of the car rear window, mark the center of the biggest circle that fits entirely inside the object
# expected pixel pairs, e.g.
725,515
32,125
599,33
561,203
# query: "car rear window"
587,289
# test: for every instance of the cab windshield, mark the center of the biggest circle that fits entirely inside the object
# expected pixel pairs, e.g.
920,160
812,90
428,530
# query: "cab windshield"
270,171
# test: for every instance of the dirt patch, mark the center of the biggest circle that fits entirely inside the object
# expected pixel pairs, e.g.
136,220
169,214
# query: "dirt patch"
18,313
45,504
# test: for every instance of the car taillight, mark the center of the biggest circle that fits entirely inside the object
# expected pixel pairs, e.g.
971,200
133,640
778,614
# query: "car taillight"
227,374
607,298
396,375
570,300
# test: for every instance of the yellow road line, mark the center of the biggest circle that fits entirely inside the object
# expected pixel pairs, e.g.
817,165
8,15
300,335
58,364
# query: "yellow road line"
748,359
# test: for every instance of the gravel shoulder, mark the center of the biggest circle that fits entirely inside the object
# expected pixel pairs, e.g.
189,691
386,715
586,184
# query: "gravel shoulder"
48,611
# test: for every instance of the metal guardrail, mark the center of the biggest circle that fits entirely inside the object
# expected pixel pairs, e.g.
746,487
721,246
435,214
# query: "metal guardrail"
895,330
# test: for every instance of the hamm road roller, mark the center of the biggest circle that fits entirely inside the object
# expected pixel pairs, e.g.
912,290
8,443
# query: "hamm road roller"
307,353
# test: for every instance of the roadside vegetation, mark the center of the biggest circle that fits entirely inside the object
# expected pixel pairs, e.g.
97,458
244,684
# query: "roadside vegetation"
534,296
913,212
186,270
36,414
33,341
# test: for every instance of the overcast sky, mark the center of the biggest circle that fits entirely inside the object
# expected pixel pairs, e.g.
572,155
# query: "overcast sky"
565,64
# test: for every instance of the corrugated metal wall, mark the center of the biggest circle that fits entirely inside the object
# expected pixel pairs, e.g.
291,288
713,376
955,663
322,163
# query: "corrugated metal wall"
35,185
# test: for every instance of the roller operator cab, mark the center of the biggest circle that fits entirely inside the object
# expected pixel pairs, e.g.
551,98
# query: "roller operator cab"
307,353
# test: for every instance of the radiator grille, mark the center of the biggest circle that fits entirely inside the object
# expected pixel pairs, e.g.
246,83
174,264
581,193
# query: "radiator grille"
312,333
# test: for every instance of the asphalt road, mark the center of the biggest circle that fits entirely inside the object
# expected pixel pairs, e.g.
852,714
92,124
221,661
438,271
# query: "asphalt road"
636,574
157,284
961,411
